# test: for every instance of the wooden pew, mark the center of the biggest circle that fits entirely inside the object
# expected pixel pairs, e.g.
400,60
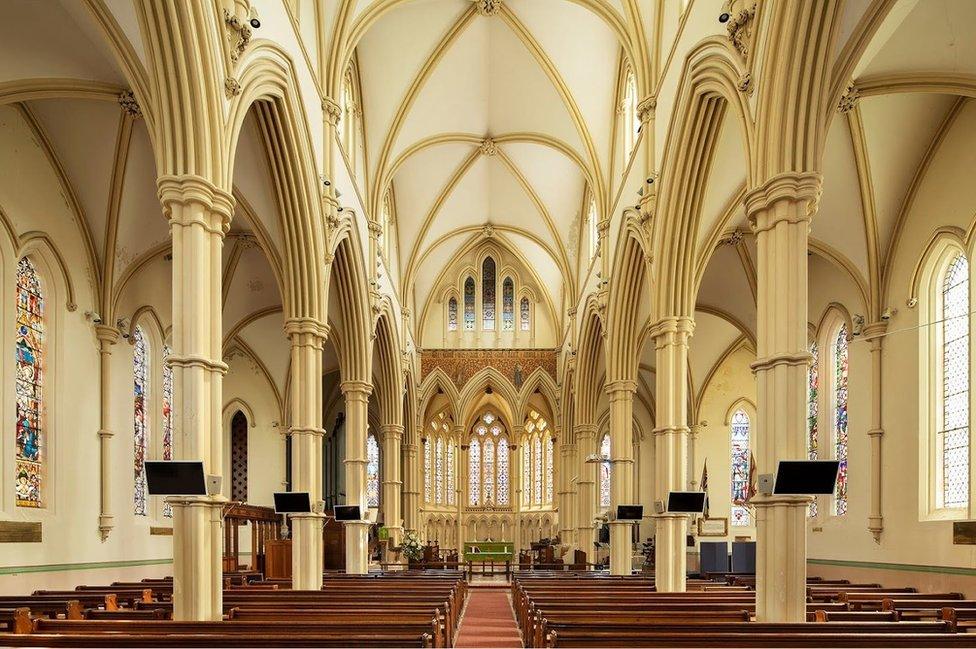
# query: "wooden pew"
960,619
622,638
71,609
15,620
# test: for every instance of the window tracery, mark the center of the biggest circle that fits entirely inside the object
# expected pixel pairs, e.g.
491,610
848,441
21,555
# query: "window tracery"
140,432
841,358
952,438
508,305
739,429
813,409
488,294
605,471
372,471
488,475
29,386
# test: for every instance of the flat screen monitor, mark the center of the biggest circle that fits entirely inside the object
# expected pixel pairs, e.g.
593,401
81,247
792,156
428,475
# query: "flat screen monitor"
175,478
686,502
292,502
347,513
806,477
603,535
630,512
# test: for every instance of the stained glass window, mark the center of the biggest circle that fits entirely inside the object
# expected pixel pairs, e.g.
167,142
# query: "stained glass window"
488,294
452,322
372,471
526,472
739,430
474,473
439,472
549,450
451,484
502,471
140,387
427,465
29,386
537,471
813,409
488,470
953,438
508,305
167,416
469,304
605,471
840,418
524,313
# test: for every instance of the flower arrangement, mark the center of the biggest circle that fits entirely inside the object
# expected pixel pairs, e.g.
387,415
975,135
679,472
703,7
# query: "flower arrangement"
411,546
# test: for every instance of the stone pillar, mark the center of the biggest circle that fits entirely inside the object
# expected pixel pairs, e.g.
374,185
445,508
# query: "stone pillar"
874,334
199,216
357,400
462,485
780,212
694,433
107,336
671,336
411,487
586,489
306,338
515,475
392,436
567,496
621,395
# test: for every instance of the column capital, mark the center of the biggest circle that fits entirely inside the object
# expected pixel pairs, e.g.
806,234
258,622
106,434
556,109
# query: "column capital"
189,189
646,108
762,201
296,327
668,430
354,389
196,360
772,360
392,430
671,325
567,449
306,430
409,449
585,431
107,334
332,110
621,389
875,330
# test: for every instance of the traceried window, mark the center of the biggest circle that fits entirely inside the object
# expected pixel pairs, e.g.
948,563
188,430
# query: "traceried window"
526,472
952,438
167,416
508,305
427,465
605,471
840,361
451,484
238,457
488,463
813,409
537,471
469,304
549,450
739,431
140,430
439,472
537,459
488,294
29,387
372,471
452,314
628,109
592,228
524,314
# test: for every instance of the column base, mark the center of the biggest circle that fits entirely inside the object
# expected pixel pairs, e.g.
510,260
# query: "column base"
306,551
198,587
670,555
621,548
781,558
357,550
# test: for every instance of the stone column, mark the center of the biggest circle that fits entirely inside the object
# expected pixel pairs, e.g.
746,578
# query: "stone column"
199,216
462,486
515,475
780,212
107,336
357,400
586,489
874,334
307,338
621,395
694,433
411,487
567,496
392,436
671,336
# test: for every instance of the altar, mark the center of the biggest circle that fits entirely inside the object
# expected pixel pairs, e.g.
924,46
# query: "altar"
488,554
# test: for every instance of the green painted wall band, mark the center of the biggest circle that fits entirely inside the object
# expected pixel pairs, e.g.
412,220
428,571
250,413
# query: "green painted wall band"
904,567
96,565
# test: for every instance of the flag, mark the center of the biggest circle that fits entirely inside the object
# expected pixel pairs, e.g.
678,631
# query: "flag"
752,477
704,486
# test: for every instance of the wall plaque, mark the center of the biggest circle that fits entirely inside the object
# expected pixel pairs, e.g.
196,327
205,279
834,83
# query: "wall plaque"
160,531
964,533
20,532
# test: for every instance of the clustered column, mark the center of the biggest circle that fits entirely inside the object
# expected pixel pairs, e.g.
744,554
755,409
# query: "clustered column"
357,400
567,496
621,395
107,337
307,338
392,484
586,487
874,334
780,211
515,477
671,336
199,215
411,487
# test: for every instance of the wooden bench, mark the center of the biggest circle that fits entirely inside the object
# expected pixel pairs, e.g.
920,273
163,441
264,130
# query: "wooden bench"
15,620
591,638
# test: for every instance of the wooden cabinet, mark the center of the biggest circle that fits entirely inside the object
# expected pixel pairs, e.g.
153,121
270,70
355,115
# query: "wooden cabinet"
277,559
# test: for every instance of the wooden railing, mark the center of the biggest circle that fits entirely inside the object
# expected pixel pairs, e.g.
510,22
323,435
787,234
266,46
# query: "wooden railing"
265,526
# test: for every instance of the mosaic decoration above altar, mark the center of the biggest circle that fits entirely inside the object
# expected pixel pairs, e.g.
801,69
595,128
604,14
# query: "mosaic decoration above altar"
515,364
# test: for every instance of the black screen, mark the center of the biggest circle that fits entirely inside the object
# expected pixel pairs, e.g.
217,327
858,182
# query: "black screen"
292,502
173,478
686,502
604,534
630,512
347,513
806,477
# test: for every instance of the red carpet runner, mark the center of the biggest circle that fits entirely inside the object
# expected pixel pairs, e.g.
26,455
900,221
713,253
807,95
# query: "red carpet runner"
488,620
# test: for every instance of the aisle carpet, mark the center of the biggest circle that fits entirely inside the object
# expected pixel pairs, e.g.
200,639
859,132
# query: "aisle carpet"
488,620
